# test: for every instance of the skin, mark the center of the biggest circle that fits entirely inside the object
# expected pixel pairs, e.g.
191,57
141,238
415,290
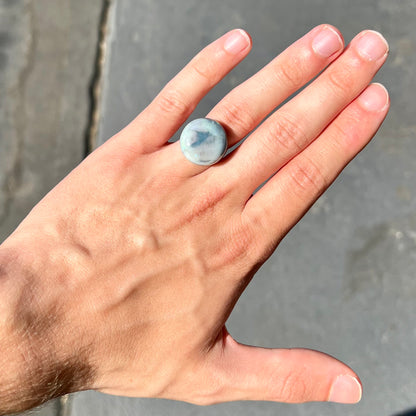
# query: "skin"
122,278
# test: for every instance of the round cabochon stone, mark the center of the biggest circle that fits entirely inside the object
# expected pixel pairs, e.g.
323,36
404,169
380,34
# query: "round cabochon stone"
203,141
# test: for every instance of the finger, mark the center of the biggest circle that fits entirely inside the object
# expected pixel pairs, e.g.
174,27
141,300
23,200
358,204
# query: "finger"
241,110
242,372
293,127
247,105
173,105
289,194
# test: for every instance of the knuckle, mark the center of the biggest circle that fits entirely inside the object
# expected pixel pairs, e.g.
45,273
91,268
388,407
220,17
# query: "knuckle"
203,68
338,130
341,81
239,246
238,116
262,244
308,179
172,102
290,389
342,133
285,133
292,75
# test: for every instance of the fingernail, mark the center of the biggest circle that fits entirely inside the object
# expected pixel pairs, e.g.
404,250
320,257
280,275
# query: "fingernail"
346,389
327,42
374,98
372,45
237,41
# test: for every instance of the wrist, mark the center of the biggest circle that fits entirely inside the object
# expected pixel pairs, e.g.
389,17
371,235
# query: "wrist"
38,363
16,361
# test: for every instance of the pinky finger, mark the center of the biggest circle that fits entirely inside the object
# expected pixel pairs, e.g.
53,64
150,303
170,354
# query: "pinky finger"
292,190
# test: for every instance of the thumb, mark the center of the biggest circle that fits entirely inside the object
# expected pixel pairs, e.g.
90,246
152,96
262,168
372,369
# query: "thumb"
286,375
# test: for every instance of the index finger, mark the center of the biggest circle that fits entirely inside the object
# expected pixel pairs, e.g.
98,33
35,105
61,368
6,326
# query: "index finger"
174,104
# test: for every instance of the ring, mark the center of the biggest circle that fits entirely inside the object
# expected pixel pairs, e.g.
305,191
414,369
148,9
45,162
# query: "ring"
203,141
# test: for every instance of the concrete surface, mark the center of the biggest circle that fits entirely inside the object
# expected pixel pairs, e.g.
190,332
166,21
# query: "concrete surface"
47,59
343,281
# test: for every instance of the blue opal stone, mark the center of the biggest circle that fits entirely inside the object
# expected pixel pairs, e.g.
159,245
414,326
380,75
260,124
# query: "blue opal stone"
203,141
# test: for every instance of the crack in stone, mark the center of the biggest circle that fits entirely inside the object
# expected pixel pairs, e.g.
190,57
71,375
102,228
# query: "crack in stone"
95,90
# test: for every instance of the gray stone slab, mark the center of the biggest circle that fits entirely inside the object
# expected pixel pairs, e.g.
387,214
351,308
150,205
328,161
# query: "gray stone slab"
343,280
47,55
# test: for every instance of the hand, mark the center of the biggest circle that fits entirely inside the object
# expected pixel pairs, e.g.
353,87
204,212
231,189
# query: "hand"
130,267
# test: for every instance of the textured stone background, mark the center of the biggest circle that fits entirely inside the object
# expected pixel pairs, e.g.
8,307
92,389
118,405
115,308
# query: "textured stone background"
343,281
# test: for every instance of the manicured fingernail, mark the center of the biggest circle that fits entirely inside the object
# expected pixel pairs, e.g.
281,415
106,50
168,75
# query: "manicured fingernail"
327,42
372,45
374,98
346,389
237,41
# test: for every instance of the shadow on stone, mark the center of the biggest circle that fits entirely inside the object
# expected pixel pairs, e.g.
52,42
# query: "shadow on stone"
409,412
